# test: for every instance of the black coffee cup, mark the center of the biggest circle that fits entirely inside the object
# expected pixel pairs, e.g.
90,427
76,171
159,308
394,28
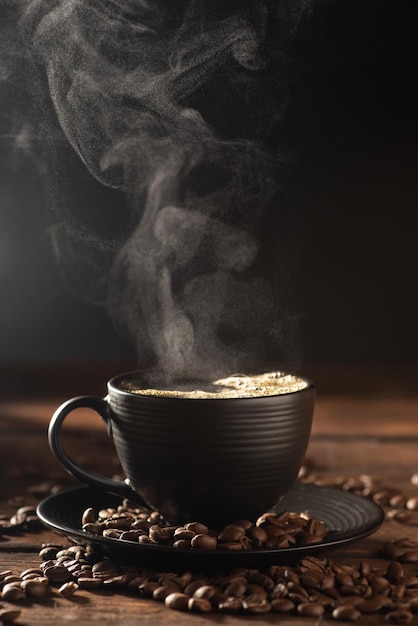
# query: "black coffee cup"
214,460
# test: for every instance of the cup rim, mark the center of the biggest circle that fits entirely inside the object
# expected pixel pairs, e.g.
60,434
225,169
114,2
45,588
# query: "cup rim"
112,386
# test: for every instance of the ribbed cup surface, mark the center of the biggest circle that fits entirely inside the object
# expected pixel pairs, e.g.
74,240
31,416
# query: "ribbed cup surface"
211,460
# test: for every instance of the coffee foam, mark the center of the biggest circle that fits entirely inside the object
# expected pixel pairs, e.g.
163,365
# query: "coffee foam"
234,386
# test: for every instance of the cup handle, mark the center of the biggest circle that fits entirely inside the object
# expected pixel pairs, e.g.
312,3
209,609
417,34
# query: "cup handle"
100,406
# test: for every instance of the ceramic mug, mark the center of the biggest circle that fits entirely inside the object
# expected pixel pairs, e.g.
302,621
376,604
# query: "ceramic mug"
213,460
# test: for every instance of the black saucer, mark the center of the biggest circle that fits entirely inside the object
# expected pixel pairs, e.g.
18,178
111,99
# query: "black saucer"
348,517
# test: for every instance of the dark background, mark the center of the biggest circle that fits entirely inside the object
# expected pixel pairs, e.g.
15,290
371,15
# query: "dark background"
353,190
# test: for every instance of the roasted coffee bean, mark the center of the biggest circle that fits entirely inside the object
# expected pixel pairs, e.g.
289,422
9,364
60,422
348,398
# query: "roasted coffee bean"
312,580
199,605
246,543
239,572
112,533
68,589
131,535
181,544
315,527
12,593
364,568
312,563
255,589
231,534
379,585
121,522
57,573
268,517
155,518
346,613
399,500
204,542
412,504
168,578
39,578
394,572
384,496
197,528
399,617
183,533
413,605
230,605
177,601
194,585
89,583
161,592
259,578
148,587
279,591
103,568
34,588
372,605
106,513
236,589
346,600
11,578
404,517
140,524
351,590
297,598
116,582
183,580
244,523
410,556
94,528
256,603
282,605
309,539
205,591
257,535
398,592
218,597
308,609
4,573
88,517
298,589
161,534
73,566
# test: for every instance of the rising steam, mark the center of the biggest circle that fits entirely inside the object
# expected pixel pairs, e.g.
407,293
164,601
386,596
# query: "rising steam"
176,108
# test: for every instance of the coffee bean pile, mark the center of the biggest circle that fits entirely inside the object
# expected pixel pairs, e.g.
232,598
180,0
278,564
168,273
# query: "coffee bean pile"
313,588
128,522
400,507
24,519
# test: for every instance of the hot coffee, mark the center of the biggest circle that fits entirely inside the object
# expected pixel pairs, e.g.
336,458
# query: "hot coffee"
237,386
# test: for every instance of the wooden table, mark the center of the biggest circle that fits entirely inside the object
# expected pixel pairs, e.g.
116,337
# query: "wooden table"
362,425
